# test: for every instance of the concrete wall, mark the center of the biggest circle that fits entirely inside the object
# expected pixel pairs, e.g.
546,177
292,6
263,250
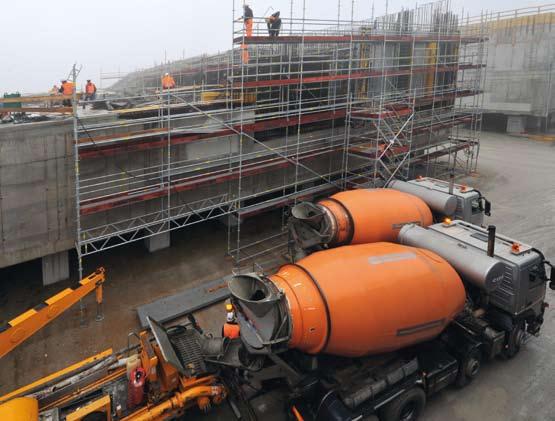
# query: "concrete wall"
37,211
37,183
520,74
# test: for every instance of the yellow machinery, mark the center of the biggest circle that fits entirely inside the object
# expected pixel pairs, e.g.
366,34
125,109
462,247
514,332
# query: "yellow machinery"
20,409
23,326
175,379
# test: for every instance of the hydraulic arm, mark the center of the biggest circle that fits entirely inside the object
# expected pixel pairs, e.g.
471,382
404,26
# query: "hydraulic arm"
23,326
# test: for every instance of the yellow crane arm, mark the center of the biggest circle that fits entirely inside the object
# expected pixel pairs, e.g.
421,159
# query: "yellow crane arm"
23,326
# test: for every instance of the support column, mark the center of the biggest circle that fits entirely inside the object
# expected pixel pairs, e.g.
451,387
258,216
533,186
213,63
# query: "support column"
534,123
516,124
158,242
229,220
55,268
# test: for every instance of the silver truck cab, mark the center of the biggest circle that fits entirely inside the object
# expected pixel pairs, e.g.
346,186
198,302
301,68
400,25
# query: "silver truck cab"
521,292
471,206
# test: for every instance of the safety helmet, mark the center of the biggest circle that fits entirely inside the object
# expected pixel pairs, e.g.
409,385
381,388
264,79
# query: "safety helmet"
230,317
166,74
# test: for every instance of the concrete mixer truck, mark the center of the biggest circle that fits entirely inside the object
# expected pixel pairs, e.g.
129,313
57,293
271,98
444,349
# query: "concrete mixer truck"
369,215
372,330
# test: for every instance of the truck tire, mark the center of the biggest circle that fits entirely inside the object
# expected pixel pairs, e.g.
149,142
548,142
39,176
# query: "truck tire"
469,369
406,407
515,339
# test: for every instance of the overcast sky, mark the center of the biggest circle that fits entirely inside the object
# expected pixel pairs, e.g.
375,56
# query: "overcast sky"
42,39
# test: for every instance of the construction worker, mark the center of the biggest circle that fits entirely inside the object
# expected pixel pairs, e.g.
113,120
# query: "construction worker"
247,19
53,92
90,92
274,24
167,81
230,329
67,88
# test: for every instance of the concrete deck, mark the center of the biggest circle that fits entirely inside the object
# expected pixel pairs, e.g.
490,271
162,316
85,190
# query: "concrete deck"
517,175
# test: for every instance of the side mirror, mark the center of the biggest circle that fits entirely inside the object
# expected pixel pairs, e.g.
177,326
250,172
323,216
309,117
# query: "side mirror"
487,207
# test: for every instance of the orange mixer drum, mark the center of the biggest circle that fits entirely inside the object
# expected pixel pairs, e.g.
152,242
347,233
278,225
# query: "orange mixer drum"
368,298
370,215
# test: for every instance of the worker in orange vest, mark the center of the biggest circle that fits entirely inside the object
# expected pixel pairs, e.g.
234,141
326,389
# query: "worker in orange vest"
90,92
230,329
168,82
247,18
67,88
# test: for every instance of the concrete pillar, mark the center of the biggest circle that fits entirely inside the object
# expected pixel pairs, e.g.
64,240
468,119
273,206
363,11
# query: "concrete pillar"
230,220
158,242
55,268
534,123
516,124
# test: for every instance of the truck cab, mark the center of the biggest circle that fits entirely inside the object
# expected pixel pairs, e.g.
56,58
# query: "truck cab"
471,205
520,296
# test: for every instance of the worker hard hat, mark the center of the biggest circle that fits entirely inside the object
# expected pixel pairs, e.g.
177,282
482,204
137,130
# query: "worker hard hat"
230,317
166,74
229,307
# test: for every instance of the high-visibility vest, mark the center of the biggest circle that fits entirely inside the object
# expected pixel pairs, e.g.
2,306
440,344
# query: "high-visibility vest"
231,330
68,88
168,82
90,88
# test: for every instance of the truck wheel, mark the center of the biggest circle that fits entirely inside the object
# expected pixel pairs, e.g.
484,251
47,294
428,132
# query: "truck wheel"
514,341
406,407
469,369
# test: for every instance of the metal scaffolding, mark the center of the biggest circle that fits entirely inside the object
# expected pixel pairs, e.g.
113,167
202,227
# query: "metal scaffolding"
327,105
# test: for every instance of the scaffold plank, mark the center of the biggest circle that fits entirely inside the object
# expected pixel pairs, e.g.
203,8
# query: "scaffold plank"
37,110
354,75
342,39
95,149
38,98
